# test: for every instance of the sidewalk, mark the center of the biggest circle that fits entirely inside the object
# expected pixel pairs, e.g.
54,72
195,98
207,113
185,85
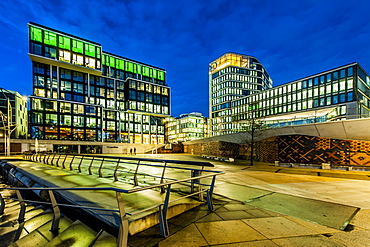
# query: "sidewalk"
237,222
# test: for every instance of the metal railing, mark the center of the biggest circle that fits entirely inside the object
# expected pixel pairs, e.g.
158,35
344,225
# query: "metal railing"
122,168
124,224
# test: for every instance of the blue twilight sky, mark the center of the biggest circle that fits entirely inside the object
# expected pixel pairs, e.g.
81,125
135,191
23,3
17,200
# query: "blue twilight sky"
291,38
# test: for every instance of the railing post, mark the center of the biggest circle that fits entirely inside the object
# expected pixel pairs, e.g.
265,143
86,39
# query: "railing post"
2,205
57,164
101,165
123,228
22,212
79,165
210,193
135,175
194,173
162,178
70,164
162,214
56,218
44,158
92,160
64,161
115,171
53,159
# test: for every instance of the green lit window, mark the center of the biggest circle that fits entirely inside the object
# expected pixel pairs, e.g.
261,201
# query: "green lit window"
129,66
120,64
64,43
137,68
145,71
77,46
104,59
112,61
90,50
50,38
36,34
98,52
161,75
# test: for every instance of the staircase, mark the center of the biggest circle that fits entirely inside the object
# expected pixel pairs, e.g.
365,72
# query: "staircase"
35,229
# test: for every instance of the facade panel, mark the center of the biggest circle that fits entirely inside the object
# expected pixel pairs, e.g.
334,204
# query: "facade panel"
82,93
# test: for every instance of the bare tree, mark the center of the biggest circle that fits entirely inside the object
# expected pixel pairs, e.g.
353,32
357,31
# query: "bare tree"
252,125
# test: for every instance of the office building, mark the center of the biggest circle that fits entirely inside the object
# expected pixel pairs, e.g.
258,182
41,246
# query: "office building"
82,93
233,76
337,94
15,104
187,127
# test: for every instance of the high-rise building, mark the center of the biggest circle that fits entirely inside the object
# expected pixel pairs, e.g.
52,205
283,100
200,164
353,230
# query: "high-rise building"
232,76
337,94
241,90
83,93
187,127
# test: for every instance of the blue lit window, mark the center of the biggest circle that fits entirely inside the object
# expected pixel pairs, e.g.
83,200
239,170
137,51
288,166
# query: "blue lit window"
350,71
335,99
342,98
350,96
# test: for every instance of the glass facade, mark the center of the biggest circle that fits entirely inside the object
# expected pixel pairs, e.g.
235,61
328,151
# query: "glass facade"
14,102
233,76
83,93
340,93
187,127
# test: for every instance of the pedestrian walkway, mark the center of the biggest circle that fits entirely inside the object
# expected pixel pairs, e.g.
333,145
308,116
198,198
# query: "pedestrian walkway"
238,222
266,205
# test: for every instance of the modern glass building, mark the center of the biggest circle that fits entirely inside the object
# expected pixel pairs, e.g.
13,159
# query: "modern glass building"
337,94
187,127
15,104
83,93
233,76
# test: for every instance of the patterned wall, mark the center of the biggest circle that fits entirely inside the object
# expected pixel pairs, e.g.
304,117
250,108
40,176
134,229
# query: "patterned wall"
292,149
317,150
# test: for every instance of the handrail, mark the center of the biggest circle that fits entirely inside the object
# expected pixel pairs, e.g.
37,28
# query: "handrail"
123,230
119,160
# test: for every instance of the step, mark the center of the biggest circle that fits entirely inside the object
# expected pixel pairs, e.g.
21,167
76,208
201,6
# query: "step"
42,235
37,221
75,233
105,240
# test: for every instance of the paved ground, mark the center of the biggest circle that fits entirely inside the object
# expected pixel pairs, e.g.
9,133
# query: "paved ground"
264,205
318,195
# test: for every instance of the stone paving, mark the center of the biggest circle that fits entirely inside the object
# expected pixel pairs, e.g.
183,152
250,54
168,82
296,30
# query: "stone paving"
236,223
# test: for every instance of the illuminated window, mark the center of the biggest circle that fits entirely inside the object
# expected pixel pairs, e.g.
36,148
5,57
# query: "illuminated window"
342,85
90,62
335,87
50,38
36,34
64,56
316,92
77,59
77,46
64,43
90,50
322,90
309,104
328,88
349,83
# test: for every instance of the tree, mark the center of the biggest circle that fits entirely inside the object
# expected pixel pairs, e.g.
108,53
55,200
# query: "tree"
252,125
